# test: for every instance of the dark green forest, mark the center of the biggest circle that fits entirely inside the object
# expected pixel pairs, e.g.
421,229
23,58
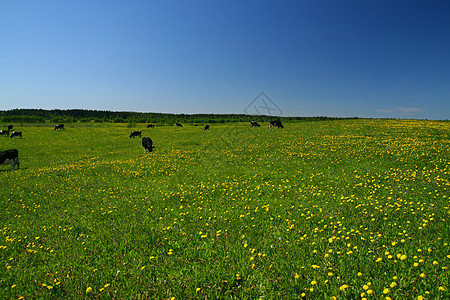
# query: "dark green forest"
103,116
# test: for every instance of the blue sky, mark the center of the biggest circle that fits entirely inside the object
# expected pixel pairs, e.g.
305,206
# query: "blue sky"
343,58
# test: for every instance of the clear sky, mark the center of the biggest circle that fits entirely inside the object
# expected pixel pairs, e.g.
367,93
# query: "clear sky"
342,58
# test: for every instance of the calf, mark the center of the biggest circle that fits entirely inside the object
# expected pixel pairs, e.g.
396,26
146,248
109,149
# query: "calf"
4,132
255,124
206,128
16,133
59,126
150,126
135,134
10,157
179,125
147,143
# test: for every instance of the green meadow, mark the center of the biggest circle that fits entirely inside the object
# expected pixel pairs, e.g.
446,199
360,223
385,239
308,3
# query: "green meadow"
344,209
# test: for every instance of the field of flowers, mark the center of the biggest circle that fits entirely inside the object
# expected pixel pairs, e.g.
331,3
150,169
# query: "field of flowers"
348,209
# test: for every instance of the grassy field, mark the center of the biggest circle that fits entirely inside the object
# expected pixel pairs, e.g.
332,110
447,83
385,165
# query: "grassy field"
349,209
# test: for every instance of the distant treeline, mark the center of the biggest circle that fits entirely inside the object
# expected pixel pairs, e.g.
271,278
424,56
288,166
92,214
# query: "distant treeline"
100,116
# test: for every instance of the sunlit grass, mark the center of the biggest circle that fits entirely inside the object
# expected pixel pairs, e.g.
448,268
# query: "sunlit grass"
347,209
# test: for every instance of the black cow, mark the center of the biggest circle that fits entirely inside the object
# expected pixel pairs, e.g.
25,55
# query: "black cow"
59,126
179,125
10,157
150,126
206,128
135,134
255,124
10,127
276,123
16,133
4,132
147,143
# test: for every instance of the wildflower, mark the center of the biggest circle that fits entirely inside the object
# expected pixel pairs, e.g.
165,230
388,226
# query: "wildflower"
385,291
422,275
393,284
343,287
143,267
403,257
197,290
441,289
296,276
315,266
313,282
89,289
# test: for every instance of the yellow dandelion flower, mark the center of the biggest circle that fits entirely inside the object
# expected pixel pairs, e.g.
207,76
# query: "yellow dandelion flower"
343,287
89,289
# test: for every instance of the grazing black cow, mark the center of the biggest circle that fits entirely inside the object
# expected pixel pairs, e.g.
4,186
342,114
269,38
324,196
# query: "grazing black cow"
10,157
4,132
150,126
10,127
135,134
255,124
179,125
276,123
59,126
206,128
147,143
16,133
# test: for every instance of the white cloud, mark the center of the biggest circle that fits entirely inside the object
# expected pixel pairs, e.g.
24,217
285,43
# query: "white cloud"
409,109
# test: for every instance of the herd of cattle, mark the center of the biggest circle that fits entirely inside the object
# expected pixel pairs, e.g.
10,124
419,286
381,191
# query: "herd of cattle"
12,156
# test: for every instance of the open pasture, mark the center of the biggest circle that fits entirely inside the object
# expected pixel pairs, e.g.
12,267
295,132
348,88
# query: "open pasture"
347,209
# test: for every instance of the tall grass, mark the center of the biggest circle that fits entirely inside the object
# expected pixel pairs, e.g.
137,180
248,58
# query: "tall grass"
346,209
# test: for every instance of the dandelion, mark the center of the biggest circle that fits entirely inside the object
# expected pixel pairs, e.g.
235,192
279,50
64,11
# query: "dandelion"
88,290
313,282
393,284
315,266
143,267
403,257
441,289
385,291
296,276
343,287
422,275
197,290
